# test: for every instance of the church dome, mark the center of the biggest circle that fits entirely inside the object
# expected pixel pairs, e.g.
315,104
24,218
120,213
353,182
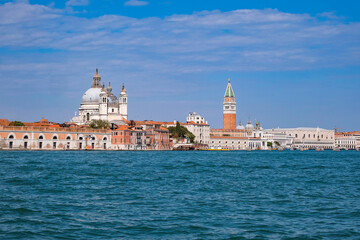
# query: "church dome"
249,125
240,127
113,100
91,96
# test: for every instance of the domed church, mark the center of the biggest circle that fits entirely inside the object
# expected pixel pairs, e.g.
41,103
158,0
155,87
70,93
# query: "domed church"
99,103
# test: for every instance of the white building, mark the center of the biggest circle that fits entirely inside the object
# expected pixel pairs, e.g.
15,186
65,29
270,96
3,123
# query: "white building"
196,118
201,131
99,103
281,138
347,140
311,138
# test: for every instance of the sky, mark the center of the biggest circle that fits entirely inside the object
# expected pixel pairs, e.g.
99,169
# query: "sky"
291,63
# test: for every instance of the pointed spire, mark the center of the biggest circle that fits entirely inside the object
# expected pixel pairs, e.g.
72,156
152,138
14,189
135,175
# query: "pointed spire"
229,90
109,88
123,88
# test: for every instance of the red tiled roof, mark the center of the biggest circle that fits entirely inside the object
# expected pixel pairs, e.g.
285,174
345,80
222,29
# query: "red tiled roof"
4,122
228,137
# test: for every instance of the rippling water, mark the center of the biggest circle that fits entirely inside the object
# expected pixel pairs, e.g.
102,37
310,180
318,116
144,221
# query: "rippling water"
180,195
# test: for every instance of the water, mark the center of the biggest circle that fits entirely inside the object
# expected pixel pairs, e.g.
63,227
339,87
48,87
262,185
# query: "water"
180,195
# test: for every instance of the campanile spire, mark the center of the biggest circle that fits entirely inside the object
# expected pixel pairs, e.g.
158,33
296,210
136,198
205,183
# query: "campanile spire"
229,108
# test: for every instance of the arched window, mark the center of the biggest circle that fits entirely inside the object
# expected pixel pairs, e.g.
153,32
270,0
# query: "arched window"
11,137
105,138
80,138
41,137
26,137
55,138
87,116
68,138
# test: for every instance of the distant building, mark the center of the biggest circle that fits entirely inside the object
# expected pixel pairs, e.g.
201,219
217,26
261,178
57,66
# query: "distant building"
129,138
311,138
347,140
195,117
201,131
53,138
99,103
200,128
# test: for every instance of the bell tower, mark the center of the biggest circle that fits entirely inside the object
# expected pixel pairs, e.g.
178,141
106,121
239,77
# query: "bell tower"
229,108
123,102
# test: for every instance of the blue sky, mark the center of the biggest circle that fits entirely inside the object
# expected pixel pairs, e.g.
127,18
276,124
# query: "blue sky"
291,63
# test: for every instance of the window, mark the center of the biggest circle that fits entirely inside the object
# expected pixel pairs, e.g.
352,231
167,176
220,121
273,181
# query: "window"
68,138
80,138
40,145
41,137
88,116
112,110
11,137
92,145
124,100
54,145
54,137
26,137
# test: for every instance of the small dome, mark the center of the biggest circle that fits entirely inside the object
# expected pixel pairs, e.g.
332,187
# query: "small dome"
240,127
91,96
249,125
113,101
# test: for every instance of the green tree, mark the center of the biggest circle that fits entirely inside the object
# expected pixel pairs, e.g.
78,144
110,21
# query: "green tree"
269,144
277,143
181,132
16,123
99,124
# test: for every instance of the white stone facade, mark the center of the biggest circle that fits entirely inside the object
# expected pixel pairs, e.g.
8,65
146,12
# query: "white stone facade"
195,117
99,103
201,131
310,138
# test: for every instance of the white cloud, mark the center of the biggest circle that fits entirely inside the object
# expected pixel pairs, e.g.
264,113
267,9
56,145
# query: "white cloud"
77,3
136,3
207,41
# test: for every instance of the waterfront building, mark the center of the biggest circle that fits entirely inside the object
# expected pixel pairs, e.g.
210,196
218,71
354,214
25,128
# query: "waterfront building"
275,137
310,138
53,138
200,129
229,108
347,140
100,103
129,138
157,136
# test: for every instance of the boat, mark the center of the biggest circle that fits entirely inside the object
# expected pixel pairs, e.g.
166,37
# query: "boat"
336,149
217,149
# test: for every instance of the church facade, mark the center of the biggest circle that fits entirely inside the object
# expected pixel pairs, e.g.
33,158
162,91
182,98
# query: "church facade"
100,103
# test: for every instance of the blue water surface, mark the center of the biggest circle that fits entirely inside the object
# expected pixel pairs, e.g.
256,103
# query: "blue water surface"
180,195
